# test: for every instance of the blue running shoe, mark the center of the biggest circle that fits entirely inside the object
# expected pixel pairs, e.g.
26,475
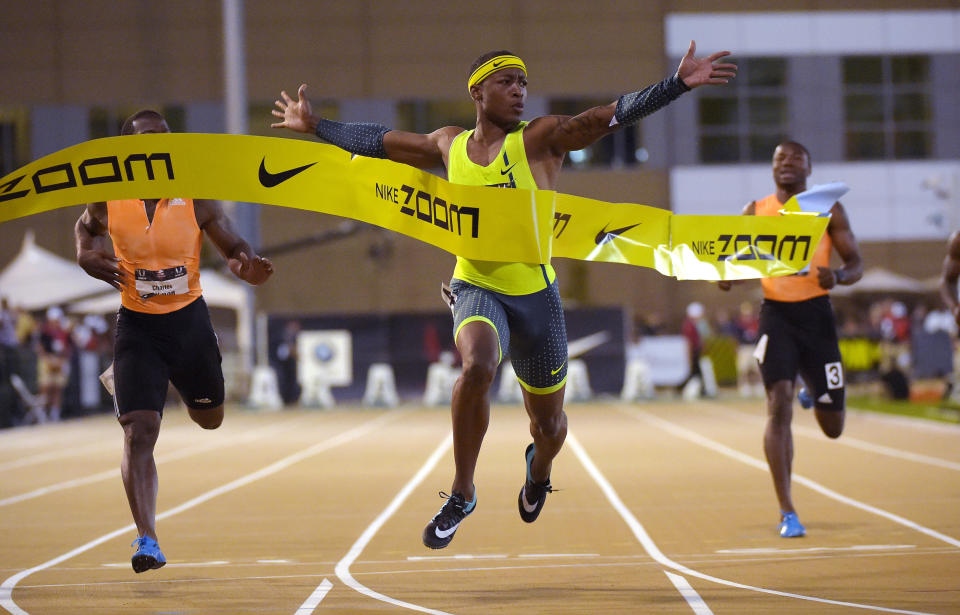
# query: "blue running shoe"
806,401
533,494
790,526
148,555
439,532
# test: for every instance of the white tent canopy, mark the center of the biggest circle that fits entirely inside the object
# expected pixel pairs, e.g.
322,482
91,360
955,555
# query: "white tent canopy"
37,278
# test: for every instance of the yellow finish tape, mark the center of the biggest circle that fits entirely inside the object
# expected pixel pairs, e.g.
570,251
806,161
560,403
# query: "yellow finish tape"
471,221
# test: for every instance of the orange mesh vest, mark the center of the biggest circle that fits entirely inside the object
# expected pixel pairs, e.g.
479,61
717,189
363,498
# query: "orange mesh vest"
161,260
801,286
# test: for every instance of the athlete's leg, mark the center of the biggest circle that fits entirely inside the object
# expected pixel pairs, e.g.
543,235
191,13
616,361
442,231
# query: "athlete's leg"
831,421
479,347
548,426
778,440
138,469
208,418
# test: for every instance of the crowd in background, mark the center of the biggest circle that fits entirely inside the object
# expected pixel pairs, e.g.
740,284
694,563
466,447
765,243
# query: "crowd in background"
50,364
885,341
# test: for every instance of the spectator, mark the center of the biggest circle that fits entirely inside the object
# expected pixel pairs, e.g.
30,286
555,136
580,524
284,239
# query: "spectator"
54,351
8,364
695,329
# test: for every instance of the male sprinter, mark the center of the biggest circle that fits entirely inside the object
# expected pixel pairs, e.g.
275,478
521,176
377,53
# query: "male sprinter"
948,279
500,307
163,326
797,332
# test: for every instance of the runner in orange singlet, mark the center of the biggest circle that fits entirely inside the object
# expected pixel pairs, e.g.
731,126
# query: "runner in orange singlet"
163,326
798,333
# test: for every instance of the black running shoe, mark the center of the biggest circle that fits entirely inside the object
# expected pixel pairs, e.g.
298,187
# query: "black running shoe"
439,532
532,494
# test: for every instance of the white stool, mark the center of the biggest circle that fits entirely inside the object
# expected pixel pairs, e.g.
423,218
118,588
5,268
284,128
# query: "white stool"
440,380
381,386
316,394
637,383
264,389
509,391
578,381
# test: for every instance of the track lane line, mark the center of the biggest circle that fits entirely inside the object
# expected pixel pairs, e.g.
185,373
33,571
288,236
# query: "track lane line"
696,438
651,547
181,453
6,588
343,566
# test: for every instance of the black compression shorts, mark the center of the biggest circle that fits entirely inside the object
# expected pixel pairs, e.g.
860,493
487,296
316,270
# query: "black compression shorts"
151,350
801,338
530,328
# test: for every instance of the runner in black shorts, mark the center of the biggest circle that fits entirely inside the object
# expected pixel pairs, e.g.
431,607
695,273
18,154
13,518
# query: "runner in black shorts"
163,327
153,349
801,338
798,335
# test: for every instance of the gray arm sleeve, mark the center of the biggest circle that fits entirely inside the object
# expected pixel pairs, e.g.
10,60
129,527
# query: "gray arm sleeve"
631,107
361,138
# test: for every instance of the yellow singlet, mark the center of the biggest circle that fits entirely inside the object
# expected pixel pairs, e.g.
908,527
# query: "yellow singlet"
508,170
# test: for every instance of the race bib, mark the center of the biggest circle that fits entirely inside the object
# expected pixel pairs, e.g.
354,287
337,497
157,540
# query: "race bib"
171,281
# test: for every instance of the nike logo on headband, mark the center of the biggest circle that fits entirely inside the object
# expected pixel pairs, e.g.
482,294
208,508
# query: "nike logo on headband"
496,64
269,180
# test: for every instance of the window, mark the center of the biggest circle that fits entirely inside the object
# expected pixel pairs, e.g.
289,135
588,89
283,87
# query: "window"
887,107
618,149
14,139
746,119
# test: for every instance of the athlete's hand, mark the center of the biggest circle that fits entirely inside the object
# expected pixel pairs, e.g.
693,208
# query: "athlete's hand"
254,271
702,71
296,114
826,277
102,266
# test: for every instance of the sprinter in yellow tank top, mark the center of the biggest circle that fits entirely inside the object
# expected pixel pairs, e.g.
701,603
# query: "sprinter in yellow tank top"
502,308
163,327
798,334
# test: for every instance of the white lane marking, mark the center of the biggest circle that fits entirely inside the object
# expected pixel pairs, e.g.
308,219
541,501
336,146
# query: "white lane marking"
315,598
883,450
848,441
60,453
273,561
343,566
651,547
550,555
187,451
692,436
221,562
434,558
767,550
689,594
6,588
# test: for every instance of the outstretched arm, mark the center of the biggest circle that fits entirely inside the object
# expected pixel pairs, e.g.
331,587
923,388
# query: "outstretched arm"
365,139
561,134
951,272
846,244
242,260
93,252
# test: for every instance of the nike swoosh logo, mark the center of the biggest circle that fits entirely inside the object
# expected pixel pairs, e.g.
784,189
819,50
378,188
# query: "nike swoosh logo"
508,169
269,180
527,507
496,64
444,533
554,372
606,235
